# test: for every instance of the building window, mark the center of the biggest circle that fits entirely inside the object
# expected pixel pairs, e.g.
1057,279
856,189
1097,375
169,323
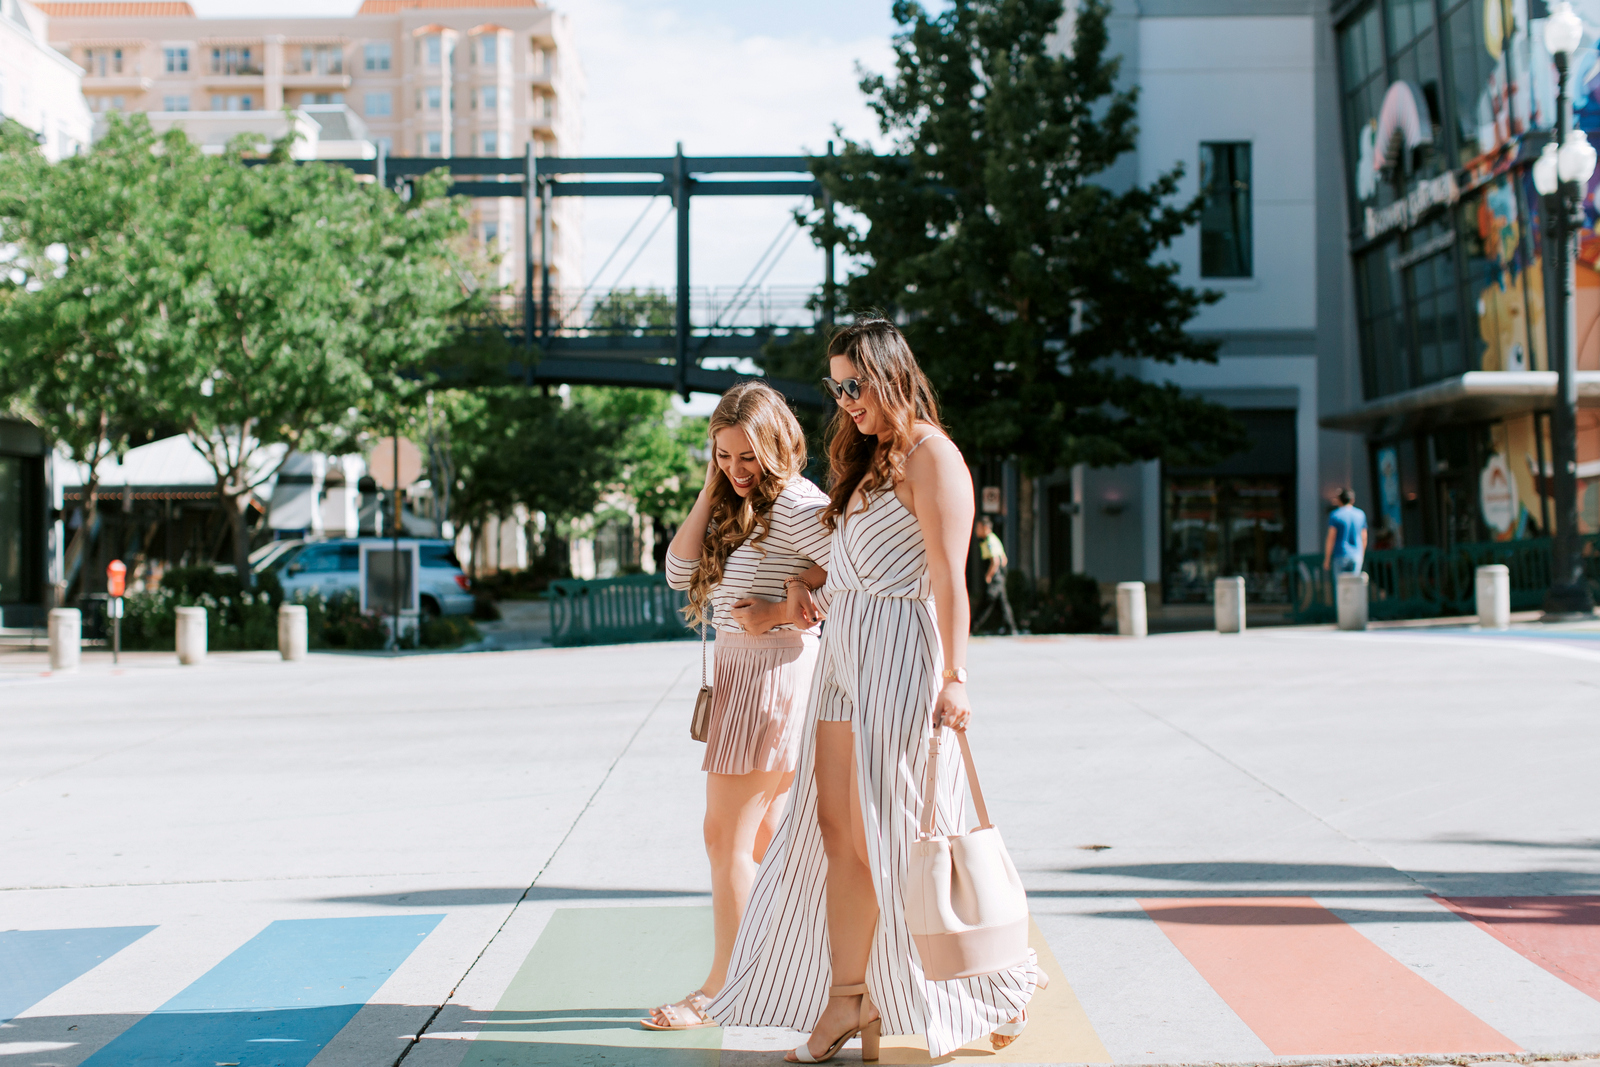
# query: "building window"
433,96
379,105
233,61
377,55
543,61
491,50
491,236
220,102
322,98
491,98
432,144
321,59
1225,235
385,146
175,103
105,103
491,143
177,61
102,62
429,50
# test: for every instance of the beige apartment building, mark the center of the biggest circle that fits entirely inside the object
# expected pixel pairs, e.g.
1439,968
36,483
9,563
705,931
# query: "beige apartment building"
439,78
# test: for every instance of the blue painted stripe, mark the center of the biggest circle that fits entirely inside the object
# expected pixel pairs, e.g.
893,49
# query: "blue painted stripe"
276,1001
36,963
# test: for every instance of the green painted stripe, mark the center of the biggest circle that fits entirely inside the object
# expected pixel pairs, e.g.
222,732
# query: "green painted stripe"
592,975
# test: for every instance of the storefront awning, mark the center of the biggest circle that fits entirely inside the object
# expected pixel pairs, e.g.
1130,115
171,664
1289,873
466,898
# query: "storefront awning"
1472,397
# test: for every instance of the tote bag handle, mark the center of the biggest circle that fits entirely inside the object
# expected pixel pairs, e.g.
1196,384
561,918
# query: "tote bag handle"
928,802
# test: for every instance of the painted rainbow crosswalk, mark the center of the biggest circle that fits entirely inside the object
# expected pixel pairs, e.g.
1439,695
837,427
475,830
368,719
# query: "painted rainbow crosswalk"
1307,978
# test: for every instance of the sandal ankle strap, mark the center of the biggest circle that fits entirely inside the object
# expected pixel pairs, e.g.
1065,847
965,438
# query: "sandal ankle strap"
848,990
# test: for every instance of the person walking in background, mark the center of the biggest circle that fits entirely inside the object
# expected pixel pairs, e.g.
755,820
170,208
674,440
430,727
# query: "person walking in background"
993,552
825,944
751,553
1347,537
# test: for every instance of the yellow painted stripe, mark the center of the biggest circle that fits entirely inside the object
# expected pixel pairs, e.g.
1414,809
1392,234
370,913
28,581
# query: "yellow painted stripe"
1058,1030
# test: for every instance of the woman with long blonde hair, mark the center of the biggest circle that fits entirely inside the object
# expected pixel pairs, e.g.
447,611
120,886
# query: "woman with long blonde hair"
752,553
825,946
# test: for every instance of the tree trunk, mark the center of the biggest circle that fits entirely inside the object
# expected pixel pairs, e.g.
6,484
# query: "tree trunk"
237,506
83,541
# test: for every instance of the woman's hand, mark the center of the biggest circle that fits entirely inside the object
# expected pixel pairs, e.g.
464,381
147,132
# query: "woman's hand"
804,611
757,616
952,708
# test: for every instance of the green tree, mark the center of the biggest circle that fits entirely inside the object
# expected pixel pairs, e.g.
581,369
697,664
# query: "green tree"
85,291
661,455
1027,285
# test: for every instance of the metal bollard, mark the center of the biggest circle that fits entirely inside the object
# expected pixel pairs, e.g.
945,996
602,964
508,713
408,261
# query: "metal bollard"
1351,595
66,638
1131,616
1228,597
1494,596
292,631
191,636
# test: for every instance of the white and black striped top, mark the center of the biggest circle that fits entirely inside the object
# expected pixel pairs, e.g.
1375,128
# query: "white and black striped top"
795,540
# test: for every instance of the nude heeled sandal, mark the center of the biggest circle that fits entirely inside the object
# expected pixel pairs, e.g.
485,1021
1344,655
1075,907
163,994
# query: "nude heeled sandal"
871,1030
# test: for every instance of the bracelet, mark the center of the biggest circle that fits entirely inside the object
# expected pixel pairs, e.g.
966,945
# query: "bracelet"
800,581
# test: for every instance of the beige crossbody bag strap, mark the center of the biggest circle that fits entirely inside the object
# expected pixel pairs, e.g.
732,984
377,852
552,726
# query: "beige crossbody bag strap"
929,802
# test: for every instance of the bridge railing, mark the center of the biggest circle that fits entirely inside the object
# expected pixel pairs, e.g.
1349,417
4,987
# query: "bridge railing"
1428,582
606,611
652,312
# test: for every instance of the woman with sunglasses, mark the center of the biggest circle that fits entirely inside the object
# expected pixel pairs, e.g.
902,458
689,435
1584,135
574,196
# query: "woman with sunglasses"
750,554
824,945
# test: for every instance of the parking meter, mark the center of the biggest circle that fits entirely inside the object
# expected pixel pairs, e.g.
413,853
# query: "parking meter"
116,582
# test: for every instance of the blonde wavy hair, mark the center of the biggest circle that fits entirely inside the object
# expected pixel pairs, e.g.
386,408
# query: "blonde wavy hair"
780,447
884,361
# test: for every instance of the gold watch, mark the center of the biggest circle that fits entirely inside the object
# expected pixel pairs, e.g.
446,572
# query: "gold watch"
956,674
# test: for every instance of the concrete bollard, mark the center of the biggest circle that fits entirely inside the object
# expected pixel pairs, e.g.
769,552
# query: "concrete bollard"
191,636
1351,597
292,631
66,638
1228,596
1494,596
1131,616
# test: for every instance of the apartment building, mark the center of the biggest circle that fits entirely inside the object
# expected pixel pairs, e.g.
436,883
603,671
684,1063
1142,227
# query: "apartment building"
440,78
39,87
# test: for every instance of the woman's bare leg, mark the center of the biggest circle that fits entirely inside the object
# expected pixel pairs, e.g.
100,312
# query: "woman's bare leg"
737,808
769,823
852,904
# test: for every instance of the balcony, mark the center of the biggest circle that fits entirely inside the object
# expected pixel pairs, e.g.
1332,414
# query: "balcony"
316,81
117,83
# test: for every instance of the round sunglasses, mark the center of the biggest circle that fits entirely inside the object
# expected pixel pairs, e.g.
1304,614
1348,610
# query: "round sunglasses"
850,387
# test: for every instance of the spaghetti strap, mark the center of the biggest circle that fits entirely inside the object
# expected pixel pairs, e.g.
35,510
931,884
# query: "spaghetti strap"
927,437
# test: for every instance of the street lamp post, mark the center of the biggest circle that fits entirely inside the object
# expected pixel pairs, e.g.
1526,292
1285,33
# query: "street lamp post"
1561,174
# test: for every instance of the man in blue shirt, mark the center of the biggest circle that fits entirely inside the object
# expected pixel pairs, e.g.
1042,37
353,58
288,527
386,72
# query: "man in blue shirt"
1347,537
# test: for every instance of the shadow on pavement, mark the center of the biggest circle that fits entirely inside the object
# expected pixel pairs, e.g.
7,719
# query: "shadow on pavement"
1329,879
428,898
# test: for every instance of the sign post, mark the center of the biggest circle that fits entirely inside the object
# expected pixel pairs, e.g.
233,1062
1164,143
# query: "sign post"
395,463
116,582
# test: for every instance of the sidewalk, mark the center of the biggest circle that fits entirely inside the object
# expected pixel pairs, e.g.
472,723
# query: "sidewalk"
1288,845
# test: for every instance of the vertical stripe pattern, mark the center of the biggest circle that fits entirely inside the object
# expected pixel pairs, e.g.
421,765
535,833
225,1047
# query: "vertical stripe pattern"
758,698
879,669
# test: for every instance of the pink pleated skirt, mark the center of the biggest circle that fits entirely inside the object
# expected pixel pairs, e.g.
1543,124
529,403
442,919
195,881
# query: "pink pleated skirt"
759,689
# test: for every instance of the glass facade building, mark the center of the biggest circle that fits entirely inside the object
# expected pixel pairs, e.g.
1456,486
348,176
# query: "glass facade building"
1444,106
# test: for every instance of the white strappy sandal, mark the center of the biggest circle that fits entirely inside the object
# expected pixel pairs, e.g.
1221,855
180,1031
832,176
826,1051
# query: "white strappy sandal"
870,1030
1006,1033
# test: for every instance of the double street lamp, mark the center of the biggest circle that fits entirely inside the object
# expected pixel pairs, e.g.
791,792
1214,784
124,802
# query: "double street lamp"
1561,174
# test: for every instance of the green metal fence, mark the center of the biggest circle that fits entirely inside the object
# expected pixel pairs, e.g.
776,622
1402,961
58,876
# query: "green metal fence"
1426,582
635,607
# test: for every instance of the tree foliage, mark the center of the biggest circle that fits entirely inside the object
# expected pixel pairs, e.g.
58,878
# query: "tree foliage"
1028,287
250,306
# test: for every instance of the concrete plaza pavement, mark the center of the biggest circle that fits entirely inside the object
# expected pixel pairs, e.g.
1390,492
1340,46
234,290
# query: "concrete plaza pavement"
1286,845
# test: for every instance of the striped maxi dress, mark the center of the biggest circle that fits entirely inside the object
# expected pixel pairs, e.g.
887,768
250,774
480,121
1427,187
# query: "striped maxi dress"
880,669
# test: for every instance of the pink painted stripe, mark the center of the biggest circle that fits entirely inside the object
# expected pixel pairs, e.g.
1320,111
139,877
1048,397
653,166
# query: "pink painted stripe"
1560,934
1309,984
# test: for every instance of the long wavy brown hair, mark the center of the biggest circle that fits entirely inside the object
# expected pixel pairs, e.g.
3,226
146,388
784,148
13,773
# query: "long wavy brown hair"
884,361
780,447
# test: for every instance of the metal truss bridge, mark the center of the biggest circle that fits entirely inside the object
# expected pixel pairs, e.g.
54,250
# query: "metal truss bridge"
588,338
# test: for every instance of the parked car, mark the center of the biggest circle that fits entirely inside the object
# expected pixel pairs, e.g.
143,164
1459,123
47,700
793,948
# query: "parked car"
334,566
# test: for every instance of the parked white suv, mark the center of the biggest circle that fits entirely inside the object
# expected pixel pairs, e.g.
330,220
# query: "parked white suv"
332,567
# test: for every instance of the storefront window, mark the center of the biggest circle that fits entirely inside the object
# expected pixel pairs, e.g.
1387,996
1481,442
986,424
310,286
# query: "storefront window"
1226,240
1503,276
1236,518
12,519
